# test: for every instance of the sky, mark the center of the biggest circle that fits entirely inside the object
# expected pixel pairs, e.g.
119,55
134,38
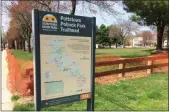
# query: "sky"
101,16
104,18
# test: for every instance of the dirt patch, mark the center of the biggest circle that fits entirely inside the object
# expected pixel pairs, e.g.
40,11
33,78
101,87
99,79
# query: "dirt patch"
115,77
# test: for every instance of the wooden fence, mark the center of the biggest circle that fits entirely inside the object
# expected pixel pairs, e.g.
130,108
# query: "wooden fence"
122,62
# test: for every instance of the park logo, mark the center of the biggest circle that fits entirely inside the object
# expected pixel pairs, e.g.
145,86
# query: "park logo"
49,23
49,18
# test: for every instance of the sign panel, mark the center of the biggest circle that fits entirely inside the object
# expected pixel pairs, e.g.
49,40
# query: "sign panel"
65,65
63,58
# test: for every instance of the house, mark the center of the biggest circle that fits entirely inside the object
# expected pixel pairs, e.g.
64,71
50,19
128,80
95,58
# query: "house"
137,41
154,40
99,46
165,43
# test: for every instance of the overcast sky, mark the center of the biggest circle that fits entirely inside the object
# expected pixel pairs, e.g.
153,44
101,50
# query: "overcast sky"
101,17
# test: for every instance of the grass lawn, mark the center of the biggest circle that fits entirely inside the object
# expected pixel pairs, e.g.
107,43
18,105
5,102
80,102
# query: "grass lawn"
122,52
22,55
147,93
126,52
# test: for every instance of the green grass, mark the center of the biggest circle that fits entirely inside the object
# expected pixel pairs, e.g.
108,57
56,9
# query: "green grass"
22,55
15,98
122,52
126,52
147,93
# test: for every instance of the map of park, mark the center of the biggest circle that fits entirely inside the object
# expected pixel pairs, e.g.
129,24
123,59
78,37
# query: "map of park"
63,61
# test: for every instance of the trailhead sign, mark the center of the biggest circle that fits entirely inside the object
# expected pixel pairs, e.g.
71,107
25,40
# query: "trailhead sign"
64,57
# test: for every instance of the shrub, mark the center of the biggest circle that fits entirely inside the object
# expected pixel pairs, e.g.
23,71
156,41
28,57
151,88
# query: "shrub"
15,98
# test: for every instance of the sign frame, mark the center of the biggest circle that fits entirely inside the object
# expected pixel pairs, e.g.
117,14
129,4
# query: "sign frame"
37,64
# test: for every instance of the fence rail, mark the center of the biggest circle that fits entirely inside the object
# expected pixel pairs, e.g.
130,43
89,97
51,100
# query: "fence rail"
131,60
122,62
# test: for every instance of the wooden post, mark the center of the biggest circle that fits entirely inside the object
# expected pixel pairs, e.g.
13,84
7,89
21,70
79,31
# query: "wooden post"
149,63
122,66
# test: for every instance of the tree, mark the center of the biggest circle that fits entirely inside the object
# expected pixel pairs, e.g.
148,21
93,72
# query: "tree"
114,35
106,6
3,40
20,13
102,35
151,12
147,37
166,31
126,29
53,5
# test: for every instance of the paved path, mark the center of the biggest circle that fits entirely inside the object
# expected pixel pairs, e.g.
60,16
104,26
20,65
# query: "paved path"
6,95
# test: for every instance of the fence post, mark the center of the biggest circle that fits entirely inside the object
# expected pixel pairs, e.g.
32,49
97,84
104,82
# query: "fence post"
149,63
122,66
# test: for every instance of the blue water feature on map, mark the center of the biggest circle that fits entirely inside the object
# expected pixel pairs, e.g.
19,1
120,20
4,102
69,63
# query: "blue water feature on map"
54,87
48,74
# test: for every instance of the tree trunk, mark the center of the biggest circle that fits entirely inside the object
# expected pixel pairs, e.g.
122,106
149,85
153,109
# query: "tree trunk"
29,46
160,31
13,44
116,45
109,45
23,42
122,42
17,44
4,45
73,7
20,44
1,44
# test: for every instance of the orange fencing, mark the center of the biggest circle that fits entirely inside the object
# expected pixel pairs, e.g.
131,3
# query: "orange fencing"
16,82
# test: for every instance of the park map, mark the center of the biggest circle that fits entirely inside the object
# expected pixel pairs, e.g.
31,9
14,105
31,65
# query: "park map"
63,65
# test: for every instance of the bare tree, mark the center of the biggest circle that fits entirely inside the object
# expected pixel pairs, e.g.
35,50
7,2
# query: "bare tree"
147,37
20,13
114,35
53,5
103,6
126,29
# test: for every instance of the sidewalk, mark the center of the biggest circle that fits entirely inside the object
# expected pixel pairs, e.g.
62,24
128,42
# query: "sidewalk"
6,95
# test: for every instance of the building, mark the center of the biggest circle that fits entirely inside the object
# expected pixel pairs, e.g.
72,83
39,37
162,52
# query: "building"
99,46
154,40
137,41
